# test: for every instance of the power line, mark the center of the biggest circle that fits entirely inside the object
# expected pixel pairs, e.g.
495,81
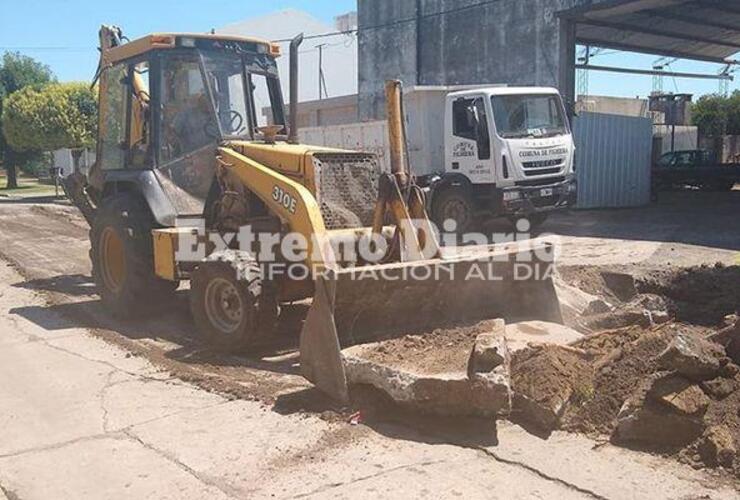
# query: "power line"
395,23
79,49
323,35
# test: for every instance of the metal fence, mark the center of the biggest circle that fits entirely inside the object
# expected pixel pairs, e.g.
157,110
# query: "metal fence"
614,155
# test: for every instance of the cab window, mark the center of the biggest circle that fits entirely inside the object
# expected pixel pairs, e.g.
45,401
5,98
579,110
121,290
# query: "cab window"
112,149
187,122
470,121
265,94
140,153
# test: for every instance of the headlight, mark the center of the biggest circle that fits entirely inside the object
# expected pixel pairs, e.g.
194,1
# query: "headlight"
512,195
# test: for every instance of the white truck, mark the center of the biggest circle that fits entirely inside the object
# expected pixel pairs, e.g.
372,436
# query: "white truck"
482,151
491,151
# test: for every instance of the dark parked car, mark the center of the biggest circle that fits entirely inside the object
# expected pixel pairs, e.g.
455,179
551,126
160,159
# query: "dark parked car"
696,168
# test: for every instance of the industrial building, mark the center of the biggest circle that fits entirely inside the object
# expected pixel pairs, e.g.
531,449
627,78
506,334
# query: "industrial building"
527,42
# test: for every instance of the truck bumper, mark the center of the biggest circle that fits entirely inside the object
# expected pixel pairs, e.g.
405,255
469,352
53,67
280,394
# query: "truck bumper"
522,200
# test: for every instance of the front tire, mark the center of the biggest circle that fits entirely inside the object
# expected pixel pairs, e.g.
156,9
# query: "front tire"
122,257
229,304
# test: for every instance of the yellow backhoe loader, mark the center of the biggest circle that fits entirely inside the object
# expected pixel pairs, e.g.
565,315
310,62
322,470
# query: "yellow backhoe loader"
194,154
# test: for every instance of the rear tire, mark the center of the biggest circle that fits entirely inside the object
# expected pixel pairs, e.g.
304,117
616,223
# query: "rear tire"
453,204
229,304
122,257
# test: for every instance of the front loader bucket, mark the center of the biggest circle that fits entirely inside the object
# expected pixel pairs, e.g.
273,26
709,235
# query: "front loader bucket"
365,304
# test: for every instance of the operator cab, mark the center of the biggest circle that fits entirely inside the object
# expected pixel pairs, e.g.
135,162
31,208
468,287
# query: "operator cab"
167,101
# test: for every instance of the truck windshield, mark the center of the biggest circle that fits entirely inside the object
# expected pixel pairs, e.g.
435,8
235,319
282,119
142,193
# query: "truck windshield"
529,115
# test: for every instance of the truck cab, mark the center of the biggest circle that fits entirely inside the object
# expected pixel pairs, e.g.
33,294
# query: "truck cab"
509,151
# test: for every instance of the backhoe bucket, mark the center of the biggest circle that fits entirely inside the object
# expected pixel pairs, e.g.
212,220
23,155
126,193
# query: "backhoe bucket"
366,304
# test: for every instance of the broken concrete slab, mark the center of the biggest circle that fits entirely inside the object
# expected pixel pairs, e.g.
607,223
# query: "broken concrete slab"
426,372
646,424
622,285
719,388
446,394
717,447
574,302
490,350
647,421
680,395
729,339
620,318
692,356
521,335
598,306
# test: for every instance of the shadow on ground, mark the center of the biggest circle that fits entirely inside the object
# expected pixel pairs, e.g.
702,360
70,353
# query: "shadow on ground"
688,217
169,326
77,285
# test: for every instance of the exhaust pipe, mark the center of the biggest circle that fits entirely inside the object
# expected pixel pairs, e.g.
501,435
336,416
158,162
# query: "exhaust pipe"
293,127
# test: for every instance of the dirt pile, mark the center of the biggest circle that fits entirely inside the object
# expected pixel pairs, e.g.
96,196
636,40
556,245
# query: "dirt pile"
545,379
700,295
641,388
658,369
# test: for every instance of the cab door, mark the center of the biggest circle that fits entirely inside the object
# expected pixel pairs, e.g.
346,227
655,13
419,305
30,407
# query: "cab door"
468,144
187,132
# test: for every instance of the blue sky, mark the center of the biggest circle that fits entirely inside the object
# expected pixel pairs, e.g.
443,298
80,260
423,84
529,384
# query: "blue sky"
63,35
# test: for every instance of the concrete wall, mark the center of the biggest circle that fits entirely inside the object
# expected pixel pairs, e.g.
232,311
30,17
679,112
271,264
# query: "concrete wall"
613,106
727,147
367,137
333,111
685,138
384,52
517,42
62,158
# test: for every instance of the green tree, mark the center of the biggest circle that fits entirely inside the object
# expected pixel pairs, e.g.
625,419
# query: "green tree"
711,113
17,72
59,115
733,114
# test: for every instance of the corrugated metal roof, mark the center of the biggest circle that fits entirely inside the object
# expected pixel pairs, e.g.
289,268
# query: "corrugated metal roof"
697,29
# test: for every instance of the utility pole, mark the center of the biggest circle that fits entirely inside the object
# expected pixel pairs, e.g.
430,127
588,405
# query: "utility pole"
660,66
724,83
322,80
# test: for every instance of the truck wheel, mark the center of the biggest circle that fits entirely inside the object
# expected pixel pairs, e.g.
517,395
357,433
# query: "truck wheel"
122,257
226,301
456,205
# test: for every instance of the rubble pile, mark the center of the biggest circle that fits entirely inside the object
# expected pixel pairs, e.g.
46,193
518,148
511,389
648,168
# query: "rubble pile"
658,368
628,366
